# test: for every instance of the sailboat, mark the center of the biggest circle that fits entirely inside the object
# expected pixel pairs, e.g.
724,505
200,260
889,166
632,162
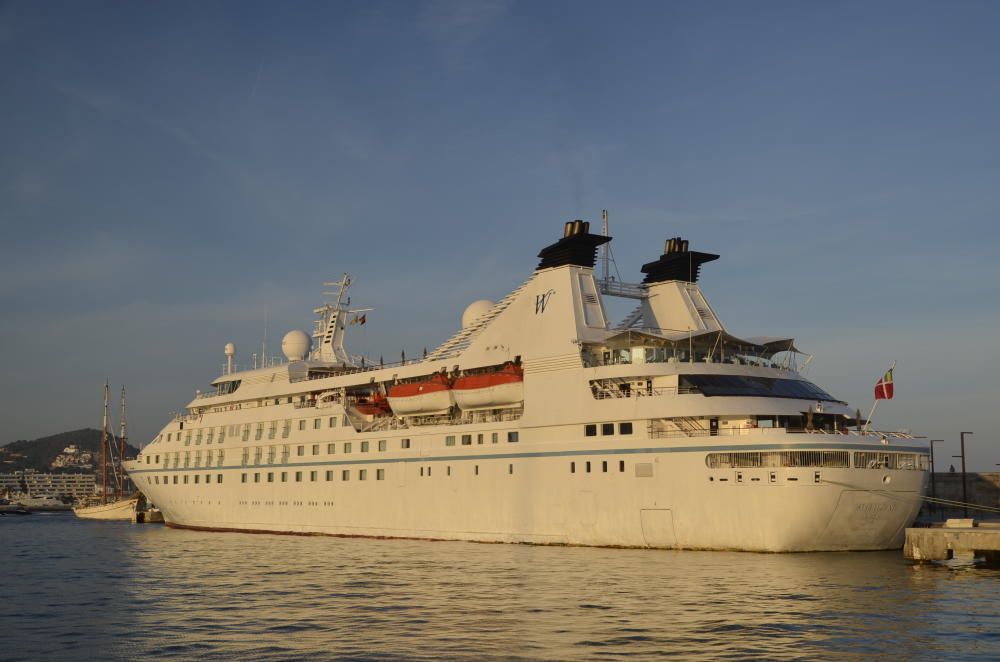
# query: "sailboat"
112,503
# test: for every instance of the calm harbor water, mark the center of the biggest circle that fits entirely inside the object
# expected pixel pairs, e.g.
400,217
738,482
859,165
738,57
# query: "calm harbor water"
84,590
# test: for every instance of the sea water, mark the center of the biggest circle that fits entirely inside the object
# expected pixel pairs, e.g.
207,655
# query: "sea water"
85,590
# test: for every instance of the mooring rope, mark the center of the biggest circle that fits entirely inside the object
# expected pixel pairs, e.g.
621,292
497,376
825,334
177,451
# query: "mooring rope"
934,500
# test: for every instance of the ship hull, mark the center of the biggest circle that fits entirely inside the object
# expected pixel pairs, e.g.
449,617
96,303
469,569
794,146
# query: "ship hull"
654,495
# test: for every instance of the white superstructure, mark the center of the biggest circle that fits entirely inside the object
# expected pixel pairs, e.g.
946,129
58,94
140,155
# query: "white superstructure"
661,431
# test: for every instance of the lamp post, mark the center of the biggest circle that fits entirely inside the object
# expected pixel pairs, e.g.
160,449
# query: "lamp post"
965,498
933,486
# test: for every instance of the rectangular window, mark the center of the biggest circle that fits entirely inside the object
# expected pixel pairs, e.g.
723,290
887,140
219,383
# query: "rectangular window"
331,449
333,422
512,437
256,478
298,476
259,432
607,428
246,432
621,466
329,475
449,440
196,477
185,479
175,479
271,450
218,478
187,439
284,454
272,429
315,449
510,468
495,437
604,466
243,478
347,447
302,424
466,439
447,470
316,423
625,428
590,430
284,476
381,444
286,428
258,453
380,474
222,434
405,443
477,469
312,476
572,467
587,465
210,436
270,476
345,474
300,450
479,438
364,446
197,439
362,474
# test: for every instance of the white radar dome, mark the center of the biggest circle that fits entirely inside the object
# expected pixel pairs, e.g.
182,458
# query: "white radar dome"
295,345
230,349
475,310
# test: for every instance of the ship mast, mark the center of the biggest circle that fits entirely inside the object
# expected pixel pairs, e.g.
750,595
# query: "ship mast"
121,447
104,447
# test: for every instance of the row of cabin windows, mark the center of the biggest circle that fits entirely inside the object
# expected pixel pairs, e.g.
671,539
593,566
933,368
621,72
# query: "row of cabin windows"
604,466
155,480
607,429
208,434
447,470
219,458
512,438
299,476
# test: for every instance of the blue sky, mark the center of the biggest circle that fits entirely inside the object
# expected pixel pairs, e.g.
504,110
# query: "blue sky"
174,174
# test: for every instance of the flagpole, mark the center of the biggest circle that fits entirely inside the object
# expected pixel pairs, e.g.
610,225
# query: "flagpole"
875,404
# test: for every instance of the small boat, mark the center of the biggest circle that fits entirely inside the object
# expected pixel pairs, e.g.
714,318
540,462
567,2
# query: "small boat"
43,503
121,509
109,504
8,508
490,390
425,396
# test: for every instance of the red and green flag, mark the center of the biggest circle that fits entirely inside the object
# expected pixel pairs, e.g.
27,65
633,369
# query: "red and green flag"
883,389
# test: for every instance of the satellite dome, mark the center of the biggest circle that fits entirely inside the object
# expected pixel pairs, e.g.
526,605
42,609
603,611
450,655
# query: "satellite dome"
295,345
474,311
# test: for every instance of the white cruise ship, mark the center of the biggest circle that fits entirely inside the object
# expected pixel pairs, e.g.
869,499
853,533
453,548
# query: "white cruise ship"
541,421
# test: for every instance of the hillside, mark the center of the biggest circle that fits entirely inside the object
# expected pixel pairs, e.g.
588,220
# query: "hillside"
38,453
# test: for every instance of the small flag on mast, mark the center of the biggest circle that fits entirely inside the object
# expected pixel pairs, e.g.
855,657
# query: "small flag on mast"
883,389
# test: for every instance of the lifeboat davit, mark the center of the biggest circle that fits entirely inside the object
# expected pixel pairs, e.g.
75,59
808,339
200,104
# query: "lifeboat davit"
373,405
422,398
490,390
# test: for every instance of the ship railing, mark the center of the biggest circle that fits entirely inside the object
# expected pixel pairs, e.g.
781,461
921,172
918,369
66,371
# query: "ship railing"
611,393
657,433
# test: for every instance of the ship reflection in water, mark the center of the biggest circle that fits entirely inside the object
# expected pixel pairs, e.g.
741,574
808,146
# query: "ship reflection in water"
75,589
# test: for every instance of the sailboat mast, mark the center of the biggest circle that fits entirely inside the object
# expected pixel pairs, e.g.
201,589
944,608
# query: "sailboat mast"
104,447
121,447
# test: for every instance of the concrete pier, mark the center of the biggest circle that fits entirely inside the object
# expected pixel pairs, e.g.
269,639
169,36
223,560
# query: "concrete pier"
961,535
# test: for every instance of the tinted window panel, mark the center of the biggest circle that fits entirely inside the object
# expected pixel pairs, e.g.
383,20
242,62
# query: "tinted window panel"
767,387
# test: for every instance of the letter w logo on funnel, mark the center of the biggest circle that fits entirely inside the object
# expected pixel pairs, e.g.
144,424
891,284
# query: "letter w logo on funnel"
541,300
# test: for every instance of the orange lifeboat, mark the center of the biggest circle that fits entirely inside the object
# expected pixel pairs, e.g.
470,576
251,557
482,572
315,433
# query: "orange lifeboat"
431,395
491,390
373,405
